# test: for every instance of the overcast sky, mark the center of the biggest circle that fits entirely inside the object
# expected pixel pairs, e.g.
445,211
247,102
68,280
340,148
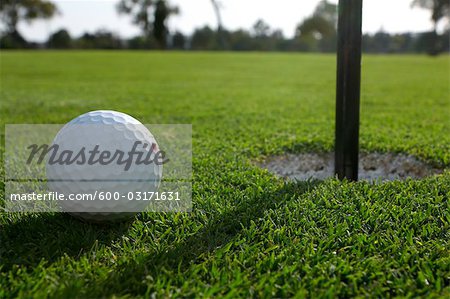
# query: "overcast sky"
79,16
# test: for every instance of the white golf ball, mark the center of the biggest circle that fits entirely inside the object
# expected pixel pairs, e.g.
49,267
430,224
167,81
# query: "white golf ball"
115,187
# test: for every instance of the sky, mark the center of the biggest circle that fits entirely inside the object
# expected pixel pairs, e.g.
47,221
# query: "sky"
79,16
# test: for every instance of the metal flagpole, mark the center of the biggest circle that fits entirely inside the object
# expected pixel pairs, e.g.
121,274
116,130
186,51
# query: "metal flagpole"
348,89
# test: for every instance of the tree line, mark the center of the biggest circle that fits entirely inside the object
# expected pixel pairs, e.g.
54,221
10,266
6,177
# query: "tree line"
316,33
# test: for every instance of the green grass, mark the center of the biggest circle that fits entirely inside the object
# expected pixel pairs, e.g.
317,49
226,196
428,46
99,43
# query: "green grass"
250,234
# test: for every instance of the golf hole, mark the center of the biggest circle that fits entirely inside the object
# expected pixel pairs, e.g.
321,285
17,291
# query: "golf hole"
372,166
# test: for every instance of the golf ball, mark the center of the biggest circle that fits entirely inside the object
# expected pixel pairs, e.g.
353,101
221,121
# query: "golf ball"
99,165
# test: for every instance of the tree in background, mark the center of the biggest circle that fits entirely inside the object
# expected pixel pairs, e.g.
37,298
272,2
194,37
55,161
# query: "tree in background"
319,31
314,32
217,6
264,39
150,16
141,43
162,12
60,40
241,40
261,28
203,39
101,39
14,11
440,10
327,11
178,41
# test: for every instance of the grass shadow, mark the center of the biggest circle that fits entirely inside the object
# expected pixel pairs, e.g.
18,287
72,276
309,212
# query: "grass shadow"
45,236
215,234
31,240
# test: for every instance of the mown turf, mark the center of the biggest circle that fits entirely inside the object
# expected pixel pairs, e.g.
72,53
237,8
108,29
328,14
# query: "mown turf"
250,234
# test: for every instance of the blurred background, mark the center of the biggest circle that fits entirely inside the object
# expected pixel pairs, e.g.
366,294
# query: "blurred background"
400,26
